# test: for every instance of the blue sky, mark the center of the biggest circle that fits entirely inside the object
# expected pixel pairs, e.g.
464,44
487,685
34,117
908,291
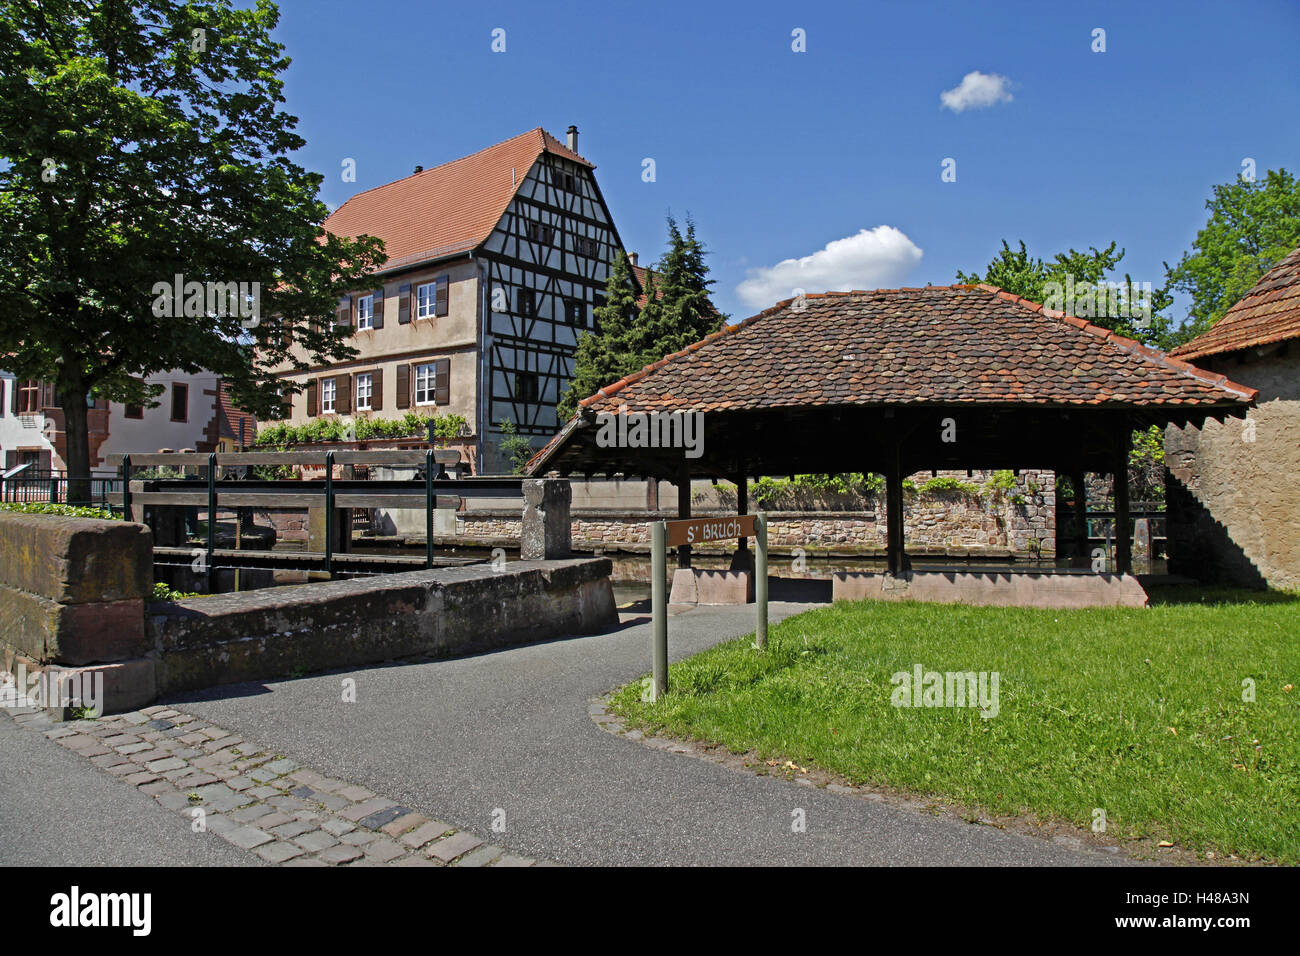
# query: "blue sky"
777,154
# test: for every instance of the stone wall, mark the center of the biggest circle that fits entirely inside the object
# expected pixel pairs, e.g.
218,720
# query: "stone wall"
941,519
72,590
443,612
72,599
1234,487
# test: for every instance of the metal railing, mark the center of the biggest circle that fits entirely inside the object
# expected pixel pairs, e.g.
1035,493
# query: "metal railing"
436,488
52,488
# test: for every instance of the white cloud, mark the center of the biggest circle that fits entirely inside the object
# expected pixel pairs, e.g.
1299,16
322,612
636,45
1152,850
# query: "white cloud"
976,91
872,259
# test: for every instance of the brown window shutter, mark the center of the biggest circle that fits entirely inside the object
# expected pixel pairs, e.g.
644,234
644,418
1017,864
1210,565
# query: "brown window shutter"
343,315
404,305
377,390
403,386
313,399
442,382
3,385
49,397
378,320
440,300
342,394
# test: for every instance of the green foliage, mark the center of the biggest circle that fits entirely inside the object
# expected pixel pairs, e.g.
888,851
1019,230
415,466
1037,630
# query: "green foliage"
168,153
605,355
804,490
515,448
1000,482
1146,465
161,592
66,511
947,483
283,435
1252,226
1018,272
677,313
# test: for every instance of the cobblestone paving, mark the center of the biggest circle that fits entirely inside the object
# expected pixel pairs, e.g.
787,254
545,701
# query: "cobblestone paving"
259,800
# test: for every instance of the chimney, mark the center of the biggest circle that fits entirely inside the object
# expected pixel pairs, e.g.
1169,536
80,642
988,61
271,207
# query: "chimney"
573,138
419,169
631,257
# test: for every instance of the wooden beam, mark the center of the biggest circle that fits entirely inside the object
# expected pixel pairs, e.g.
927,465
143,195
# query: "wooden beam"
894,531
1123,525
684,511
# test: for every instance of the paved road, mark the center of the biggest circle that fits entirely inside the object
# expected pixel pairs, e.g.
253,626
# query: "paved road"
510,730
58,809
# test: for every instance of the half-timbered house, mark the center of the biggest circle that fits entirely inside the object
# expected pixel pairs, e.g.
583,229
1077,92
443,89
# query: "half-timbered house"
496,263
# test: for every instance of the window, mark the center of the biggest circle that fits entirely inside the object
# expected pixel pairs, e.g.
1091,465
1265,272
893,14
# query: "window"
564,180
180,402
425,299
431,299
526,386
365,385
133,411
328,392
540,232
29,396
586,247
425,384
365,312
573,312
527,302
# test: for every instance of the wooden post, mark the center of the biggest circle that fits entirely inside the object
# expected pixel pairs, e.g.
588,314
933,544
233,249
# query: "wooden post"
742,504
894,516
760,580
1123,524
659,609
683,511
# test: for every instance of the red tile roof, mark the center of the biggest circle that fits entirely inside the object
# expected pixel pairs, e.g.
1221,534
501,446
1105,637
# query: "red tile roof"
449,209
937,345
641,272
1270,312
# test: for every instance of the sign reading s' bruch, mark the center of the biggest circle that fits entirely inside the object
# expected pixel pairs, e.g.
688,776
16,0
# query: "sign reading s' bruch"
706,530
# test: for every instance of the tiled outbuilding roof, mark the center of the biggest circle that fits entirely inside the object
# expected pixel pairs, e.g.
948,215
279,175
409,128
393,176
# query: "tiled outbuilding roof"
937,345
450,208
1268,313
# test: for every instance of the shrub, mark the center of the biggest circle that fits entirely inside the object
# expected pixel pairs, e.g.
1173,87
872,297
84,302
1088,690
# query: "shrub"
67,511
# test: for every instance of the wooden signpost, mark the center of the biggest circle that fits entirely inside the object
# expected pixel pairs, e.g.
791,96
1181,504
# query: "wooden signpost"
666,534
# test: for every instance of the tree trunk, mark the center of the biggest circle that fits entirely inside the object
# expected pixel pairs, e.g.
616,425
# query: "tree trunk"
76,438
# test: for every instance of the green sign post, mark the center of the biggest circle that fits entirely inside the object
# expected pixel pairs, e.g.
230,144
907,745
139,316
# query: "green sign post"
666,534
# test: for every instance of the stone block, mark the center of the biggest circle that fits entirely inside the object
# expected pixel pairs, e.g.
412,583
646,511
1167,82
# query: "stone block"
696,586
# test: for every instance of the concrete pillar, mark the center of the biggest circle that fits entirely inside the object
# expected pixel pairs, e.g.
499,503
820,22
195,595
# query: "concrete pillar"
547,532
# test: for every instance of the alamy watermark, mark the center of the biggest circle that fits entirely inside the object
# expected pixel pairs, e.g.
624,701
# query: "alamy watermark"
193,299
1116,300
922,688
626,429
52,687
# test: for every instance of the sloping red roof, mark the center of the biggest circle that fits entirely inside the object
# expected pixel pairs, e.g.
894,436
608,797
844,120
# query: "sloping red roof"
1270,312
937,345
641,272
448,209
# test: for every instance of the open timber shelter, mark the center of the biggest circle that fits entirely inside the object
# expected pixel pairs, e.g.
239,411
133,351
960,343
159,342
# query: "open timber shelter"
893,381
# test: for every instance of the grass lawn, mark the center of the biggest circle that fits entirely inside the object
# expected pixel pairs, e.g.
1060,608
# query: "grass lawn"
1135,711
